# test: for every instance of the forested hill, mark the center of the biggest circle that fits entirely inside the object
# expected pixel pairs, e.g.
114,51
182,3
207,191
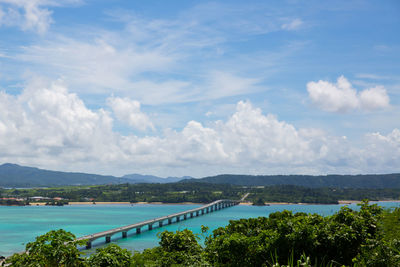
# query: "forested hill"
13,175
341,181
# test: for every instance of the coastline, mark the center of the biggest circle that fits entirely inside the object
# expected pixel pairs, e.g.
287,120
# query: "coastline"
129,203
340,202
284,203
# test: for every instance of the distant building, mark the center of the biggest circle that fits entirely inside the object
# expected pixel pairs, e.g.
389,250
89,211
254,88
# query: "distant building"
37,198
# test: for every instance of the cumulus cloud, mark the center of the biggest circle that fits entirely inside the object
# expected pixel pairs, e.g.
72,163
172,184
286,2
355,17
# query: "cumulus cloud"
128,111
342,97
381,150
48,126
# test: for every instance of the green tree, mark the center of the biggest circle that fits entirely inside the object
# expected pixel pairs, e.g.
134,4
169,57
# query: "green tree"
259,202
336,239
111,255
55,248
179,248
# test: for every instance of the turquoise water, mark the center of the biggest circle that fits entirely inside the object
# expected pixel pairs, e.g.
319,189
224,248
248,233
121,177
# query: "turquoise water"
20,225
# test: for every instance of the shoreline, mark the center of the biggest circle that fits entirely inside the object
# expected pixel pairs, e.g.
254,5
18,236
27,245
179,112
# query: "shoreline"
129,203
75,203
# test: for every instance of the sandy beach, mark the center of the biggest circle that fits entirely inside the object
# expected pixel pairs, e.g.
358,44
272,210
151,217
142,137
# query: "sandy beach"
191,203
119,203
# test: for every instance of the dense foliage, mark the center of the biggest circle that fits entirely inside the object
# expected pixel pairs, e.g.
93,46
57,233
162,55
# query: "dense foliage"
294,194
56,248
168,193
202,193
337,181
368,237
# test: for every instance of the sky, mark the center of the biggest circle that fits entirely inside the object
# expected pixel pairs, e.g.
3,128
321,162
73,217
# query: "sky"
199,88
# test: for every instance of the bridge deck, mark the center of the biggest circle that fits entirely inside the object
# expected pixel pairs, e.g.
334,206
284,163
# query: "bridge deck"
126,228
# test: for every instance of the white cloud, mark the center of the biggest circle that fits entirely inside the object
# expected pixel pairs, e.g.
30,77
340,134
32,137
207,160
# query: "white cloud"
32,15
49,127
158,61
381,151
98,65
108,64
374,98
128,111
28,15
293,25
342,97
48,124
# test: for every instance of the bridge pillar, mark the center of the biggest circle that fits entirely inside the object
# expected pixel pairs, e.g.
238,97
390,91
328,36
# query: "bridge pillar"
212,208
108,239
150,227
138,230
191,215
207,210
197,213
88,245
169,220
184,216
178,218
202,211
124,234
160,224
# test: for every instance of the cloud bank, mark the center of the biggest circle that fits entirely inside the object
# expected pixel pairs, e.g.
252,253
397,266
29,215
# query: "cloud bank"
49,127
342,97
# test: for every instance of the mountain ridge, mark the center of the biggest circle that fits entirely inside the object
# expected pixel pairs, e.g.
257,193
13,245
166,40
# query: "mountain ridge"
14,175
314,181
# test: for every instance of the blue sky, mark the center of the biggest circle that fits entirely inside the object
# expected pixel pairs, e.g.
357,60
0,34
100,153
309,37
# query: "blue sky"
200,87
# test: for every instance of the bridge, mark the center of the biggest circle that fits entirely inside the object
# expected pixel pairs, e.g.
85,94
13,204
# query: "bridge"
161,221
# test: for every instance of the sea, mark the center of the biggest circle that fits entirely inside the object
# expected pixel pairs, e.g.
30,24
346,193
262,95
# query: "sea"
20,225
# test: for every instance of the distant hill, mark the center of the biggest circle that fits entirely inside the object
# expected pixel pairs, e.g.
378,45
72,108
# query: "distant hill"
339,181
139,178
13,175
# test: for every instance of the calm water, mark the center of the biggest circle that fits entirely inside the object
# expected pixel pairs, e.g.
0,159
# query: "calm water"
19,225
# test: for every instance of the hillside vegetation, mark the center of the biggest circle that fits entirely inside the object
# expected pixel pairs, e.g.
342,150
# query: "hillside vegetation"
336,181
200,193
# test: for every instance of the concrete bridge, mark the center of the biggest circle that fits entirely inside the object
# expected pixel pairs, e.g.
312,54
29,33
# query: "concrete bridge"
159,222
